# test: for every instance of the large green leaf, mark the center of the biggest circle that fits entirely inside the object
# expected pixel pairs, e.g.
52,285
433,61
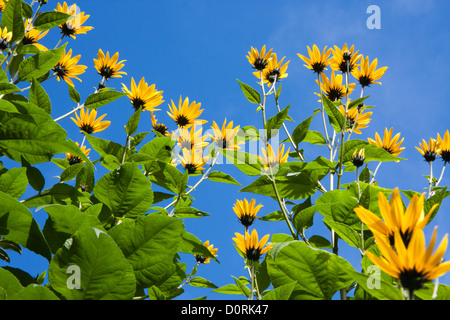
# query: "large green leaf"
12,19
98,99
338,205
39,64
274,123
50,19
248,163
294,187
164,175
93,256
251,94
14,182
30,133
39,97
149,244
371,152
60,193
337,120
318,274
17,225
126,191
63,222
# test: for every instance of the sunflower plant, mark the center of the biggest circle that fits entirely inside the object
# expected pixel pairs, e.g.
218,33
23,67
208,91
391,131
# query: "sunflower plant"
115,223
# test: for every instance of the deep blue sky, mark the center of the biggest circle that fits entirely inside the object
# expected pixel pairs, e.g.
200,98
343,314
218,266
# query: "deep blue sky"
198,48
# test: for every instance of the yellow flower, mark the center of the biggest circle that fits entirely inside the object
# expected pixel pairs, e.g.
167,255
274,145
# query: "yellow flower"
274,70
75,25
87,122
192,160
67,67
367,73
259,60
389,143
143,95
429,150
356,115
250,246
413,265
246,211
160,127
3,4
33,36
109,67
186,114
334,89
395,218
5,38
226,137
317,61
444,146
73,158
190,138
202,259
270,159
339,64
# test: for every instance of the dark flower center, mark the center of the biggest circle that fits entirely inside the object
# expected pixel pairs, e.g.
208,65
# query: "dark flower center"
430,156
260,64
161,128
335,94
445,155
74,160
318,67
182,120
28,40
137,103
365,81
106,72
343,67
246,220
3,44
200,258
412,279
190,167
273,75
60,70
88,128
67,30
358,161
253,254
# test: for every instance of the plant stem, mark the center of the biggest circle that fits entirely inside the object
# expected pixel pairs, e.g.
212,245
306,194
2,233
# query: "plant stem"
69,113
375,172
430,178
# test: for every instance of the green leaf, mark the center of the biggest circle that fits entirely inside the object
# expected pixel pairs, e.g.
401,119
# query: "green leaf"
300,132
280,293
356,102
249,164
382,291
14,182
104,272
337,120
12,19
126,191
274,123
70,173
371,152
9,284
60,193
74,95
346,233
48,20
218,176
96,100
63,222
315,137
39,64
294,187
200,282
158,149
17,225
6,88
133,122
149,244
251,94
32,135
34,292
106,148
189,212
317,274
164,175
27,11
338,205
39,97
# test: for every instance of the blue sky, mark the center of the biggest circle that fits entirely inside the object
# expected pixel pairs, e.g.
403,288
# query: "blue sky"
197,48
